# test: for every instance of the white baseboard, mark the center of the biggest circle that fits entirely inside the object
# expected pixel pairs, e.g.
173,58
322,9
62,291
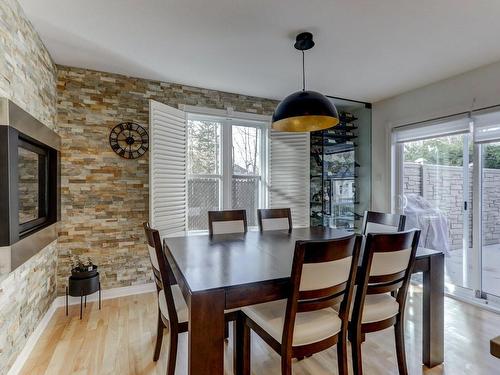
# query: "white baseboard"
61,302
109,294
32,340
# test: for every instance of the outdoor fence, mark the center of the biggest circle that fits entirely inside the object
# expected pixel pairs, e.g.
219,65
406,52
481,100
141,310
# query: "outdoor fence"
443,187
203,196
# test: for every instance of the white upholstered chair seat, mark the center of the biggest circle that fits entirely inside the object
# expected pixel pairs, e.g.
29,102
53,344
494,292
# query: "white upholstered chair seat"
377,307
310,327
180,304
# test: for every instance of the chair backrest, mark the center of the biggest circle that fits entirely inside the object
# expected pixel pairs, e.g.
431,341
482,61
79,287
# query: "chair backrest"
153,258
323,275
274,219
167,278
380,222
387,263
229,221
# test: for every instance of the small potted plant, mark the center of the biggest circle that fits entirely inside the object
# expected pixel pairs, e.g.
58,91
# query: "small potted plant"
82,270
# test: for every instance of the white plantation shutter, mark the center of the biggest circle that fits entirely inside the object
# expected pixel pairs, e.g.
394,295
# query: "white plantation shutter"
167,169
289,163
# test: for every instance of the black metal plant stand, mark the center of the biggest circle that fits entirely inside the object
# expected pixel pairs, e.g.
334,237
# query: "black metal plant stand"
82,287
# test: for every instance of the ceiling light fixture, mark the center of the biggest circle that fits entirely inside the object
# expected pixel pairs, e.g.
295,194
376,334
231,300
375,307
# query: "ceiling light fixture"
304,111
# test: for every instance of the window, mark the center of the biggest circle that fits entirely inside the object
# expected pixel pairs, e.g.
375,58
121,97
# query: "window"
204,170
208,159
226,167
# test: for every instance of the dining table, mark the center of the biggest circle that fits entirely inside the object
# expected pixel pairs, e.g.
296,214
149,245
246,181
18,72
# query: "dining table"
228,271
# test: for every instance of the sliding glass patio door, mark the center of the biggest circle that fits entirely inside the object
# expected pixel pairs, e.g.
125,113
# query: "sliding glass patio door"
487,142
447,175
434,191
490,218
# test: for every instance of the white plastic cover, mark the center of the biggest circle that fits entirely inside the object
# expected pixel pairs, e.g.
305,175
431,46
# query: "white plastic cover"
430,220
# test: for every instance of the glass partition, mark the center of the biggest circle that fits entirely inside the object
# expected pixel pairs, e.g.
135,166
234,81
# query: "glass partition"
340,189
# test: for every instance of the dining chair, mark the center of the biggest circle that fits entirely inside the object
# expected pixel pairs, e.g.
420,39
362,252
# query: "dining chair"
323,275
173,311
380,222
495,347
159,286
154,265
386,267
227,221
274,219
172,308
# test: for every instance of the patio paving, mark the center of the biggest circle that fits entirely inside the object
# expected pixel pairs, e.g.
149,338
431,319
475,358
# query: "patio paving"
491,268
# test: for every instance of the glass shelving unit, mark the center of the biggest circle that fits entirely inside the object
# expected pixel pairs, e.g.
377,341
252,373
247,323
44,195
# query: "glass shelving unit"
340,183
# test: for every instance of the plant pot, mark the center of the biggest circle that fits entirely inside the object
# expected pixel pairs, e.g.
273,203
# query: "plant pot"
78,274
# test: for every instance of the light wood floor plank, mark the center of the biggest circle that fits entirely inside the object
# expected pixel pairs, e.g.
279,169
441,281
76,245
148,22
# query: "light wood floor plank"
120,339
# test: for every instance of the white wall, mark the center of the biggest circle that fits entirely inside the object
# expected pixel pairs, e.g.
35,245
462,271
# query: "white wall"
446,97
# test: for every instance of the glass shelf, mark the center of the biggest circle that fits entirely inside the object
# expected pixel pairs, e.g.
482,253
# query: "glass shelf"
341,169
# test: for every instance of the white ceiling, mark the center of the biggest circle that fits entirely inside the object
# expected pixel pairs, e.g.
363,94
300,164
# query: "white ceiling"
365,49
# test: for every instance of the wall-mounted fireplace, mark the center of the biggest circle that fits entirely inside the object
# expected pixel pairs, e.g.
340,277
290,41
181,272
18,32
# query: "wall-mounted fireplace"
29,185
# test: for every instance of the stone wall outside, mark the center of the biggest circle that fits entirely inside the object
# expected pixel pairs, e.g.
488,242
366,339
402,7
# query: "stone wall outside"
443,187
27,77
105,197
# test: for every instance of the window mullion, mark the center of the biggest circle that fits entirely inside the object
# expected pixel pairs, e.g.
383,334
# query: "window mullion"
227,164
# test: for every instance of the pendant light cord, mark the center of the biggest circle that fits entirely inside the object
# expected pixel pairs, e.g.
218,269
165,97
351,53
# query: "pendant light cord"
303,72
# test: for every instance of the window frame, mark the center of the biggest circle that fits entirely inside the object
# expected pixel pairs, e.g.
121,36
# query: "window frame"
226,156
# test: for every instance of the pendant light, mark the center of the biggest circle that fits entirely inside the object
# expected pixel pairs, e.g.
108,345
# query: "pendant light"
304,111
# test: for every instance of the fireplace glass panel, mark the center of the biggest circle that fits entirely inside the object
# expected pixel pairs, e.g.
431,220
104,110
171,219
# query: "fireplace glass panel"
32,189
28,172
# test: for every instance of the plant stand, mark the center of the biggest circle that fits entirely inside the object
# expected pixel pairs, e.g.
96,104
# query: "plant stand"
82,287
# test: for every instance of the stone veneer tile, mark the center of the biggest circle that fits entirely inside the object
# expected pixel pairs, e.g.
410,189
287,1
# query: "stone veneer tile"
25,296
104,197
27,73
27,77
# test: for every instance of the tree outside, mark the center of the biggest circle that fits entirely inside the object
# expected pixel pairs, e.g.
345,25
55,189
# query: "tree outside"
448,151
203,147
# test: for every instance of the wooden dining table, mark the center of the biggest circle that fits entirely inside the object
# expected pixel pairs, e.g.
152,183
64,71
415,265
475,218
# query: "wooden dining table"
221,272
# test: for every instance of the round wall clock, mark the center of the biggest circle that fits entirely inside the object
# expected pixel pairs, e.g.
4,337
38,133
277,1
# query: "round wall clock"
129,140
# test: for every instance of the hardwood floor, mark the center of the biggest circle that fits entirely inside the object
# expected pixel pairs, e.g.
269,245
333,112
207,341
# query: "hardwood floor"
119,339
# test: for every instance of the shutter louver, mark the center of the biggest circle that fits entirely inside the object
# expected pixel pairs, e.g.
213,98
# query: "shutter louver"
167,169
289,163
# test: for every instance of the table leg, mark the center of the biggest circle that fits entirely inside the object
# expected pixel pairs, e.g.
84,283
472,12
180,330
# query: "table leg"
206,333
241,347
433,312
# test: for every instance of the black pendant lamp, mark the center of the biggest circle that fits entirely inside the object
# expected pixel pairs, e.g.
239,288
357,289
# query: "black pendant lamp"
304,111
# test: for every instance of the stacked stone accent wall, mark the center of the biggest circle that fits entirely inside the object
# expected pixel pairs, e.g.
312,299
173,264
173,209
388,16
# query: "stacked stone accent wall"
105,197
27,73
25,296
443,187
27,77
